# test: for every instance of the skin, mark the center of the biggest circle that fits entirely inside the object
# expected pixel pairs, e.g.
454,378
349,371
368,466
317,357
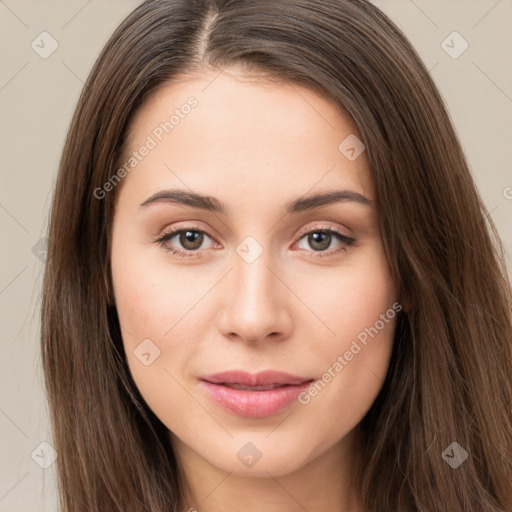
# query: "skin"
255,146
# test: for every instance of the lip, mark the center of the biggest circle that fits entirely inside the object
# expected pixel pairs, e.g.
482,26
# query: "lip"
256,395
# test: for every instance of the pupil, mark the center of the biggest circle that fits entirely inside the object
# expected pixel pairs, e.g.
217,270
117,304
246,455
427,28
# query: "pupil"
323,239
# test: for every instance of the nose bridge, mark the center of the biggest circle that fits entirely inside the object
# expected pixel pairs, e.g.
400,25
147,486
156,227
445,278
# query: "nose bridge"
255,284
254,306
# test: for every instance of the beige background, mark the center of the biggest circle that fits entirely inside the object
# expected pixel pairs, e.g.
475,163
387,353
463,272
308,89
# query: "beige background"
37,98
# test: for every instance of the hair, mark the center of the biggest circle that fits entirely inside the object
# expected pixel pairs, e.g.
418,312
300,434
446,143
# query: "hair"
450,374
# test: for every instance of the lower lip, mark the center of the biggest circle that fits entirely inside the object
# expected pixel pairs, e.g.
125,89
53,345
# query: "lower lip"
254,404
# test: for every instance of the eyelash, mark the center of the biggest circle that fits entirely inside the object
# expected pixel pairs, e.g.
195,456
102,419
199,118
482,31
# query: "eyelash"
171,233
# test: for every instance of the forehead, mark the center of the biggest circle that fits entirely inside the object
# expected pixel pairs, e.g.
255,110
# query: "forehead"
231,131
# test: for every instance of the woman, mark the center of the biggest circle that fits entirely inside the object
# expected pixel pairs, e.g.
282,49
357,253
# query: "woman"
271,282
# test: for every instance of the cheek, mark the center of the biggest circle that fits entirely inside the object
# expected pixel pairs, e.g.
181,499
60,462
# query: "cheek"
360,309
147,311
152,298
156,305
351,298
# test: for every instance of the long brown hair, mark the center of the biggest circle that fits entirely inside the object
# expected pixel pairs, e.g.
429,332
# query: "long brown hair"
450,376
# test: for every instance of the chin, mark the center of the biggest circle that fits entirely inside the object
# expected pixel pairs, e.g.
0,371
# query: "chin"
258,458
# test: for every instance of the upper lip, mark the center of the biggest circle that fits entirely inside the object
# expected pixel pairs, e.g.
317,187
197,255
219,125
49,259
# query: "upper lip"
263,378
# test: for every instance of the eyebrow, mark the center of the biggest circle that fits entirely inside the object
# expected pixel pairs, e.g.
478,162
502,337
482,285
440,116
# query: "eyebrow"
212,204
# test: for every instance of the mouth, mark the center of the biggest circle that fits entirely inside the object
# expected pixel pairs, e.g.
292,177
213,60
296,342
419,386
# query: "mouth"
252,388
254,395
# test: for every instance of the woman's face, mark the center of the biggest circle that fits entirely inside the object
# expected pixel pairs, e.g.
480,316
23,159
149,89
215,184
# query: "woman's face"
229,255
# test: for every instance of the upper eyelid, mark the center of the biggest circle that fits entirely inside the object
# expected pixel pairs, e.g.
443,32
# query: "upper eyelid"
311,229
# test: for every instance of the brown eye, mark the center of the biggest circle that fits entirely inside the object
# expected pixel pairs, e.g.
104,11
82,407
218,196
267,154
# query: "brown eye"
319,240
185,242
191,240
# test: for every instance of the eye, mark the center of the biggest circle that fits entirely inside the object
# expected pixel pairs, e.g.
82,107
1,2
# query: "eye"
190,239
320,239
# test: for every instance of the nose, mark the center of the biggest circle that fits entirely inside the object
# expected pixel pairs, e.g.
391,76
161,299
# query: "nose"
255,308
